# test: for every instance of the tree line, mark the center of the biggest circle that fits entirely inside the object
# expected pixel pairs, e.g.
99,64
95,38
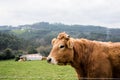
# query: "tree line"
10,46
36,38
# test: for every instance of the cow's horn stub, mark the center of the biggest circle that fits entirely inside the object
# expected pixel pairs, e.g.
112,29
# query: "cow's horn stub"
67,36
63,35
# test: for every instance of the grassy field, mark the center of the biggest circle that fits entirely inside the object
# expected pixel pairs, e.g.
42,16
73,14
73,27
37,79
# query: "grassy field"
19,31
35,70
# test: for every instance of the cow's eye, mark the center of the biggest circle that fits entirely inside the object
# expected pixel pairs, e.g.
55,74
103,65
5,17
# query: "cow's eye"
62,46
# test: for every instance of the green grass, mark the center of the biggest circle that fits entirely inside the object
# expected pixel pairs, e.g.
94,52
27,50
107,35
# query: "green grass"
35,70
19,31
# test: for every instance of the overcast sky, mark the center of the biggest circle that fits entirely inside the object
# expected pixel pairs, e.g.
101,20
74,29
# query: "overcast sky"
84,12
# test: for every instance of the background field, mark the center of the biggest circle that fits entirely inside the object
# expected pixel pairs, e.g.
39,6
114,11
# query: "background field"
35,70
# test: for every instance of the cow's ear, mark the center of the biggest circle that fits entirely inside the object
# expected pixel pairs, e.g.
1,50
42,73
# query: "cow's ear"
70,44
53,40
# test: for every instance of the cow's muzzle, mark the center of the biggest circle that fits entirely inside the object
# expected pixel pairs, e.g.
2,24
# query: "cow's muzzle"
49,59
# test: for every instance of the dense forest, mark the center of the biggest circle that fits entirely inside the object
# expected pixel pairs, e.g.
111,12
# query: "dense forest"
37,37
10,45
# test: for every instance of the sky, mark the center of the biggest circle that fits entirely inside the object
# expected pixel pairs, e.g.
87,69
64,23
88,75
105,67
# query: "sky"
84,12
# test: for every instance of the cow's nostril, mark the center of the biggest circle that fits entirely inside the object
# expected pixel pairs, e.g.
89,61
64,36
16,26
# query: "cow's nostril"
49,60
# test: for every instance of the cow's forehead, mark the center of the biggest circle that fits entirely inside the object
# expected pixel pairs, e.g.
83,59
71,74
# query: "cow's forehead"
58,43
63,41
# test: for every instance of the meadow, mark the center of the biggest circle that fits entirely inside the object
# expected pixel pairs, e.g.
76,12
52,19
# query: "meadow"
35,70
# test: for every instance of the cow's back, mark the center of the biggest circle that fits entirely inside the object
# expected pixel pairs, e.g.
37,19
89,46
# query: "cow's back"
113,52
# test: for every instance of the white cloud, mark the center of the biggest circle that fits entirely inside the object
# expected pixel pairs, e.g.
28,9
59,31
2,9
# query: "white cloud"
87,12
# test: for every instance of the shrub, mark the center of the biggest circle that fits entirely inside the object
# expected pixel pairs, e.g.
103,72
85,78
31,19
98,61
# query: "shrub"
32,50
2,56
44,50
6,54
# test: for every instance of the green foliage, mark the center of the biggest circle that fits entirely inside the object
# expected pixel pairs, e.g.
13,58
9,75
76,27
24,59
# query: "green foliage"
18,31
9,41
44,50
2,56
40,35
35,70
18,53
32,50
6,54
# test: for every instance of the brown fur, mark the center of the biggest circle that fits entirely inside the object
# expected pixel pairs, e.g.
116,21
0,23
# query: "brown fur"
91,59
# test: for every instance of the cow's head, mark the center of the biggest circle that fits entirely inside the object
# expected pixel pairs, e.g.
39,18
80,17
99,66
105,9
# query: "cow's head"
62,50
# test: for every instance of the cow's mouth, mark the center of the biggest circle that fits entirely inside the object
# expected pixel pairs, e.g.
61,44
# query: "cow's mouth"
63,63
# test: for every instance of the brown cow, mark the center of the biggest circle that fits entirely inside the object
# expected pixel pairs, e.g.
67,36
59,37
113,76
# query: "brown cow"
91,59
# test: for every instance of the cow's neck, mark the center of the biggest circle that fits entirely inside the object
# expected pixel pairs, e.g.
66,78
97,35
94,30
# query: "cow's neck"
82,50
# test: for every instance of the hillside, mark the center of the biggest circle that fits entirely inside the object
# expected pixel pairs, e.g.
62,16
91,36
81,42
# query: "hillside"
39,35
45,30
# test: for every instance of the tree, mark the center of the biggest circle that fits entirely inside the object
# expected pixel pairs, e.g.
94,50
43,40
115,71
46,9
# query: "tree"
8,53
32,50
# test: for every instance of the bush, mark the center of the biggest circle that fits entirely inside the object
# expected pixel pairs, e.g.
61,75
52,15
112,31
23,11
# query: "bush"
32,50
44,50
6,54
2,56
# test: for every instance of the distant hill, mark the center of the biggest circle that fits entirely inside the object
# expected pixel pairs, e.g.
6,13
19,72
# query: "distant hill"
43,32
39,35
